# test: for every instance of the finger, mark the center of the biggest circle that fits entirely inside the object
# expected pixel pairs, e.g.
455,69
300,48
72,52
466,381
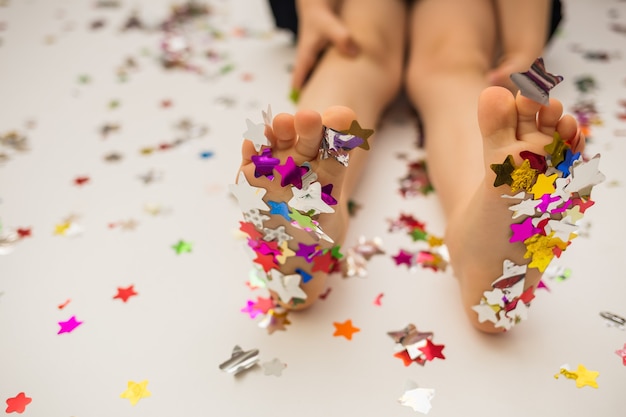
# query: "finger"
339,36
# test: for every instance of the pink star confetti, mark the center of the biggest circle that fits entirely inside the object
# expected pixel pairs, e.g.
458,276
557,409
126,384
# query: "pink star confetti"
69,325
622,354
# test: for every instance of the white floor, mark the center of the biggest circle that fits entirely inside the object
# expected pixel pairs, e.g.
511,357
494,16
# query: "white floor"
59,87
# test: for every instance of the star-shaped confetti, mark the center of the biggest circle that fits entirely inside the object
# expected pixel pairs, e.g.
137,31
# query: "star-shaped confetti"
274,367
432,351
18,403
69,325
125,293
543,185
287,287
265,163
135,391
345,329
240,360
275,319
583,376
249,197
503,171
356,130
290,173
81,180
255,133
182,247
523,177
417,398
310,198
536,83
584,176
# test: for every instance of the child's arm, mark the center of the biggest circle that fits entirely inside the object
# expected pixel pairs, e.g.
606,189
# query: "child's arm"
523,32
318,26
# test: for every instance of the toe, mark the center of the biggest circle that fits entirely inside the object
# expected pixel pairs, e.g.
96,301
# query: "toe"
338,117
308,125
527,110
570,133
549,117
283,131
497,117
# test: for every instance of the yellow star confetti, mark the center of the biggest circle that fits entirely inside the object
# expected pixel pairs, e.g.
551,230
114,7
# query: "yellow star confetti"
136,391
285,253
586,377
523,177
556,149
544,185
60,229
574,214
435,241
582,375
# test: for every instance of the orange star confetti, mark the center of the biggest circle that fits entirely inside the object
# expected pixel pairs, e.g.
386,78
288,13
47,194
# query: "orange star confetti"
345,329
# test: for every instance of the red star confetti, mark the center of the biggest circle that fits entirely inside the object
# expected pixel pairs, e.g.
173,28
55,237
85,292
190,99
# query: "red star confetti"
432,351
23,232
377,300
416,182
125,293
345,329
69,325
18,403
415,346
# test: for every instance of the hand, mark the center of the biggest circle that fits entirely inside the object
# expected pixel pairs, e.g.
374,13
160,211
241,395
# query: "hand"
318,27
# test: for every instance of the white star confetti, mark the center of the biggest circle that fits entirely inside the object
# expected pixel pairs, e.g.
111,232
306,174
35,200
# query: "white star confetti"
287,287
256,134
274,367
249,197
417,398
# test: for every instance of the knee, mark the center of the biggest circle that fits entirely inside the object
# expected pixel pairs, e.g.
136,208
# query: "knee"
445,59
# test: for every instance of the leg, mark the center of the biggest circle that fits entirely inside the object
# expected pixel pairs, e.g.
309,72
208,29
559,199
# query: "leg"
453,55
363,87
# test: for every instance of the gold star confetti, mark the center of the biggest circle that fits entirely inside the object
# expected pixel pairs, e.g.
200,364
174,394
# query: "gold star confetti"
523,177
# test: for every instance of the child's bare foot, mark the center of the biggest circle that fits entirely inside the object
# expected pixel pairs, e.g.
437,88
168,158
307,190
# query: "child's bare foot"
483,235
294,232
